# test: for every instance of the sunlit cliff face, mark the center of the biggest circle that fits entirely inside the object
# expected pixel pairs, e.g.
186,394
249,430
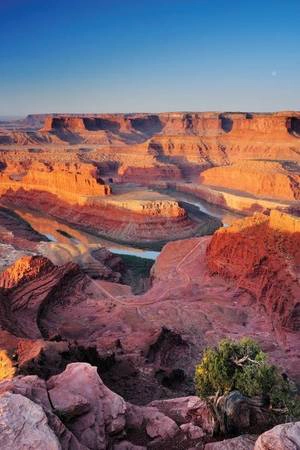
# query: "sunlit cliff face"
7,369
71,182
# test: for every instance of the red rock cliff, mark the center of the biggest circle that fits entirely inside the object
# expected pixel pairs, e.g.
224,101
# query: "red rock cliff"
179,123
262,255
261,178
74,183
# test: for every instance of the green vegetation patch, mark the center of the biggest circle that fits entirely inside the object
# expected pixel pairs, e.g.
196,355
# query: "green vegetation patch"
243,366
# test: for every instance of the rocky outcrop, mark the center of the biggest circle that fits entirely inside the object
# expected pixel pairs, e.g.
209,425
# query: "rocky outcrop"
261,254
260,178
231,200
104,127
83,413
268,124
147,124
75,410
90,409
151,204
141,148
25,269
176,123
188,410
23,309
141,173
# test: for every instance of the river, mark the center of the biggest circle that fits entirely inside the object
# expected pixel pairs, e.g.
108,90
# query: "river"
68,243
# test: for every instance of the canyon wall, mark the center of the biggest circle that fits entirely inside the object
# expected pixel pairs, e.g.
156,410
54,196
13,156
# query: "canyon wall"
74,183
250,159
262,255
74,192
203,123
262,178
139,222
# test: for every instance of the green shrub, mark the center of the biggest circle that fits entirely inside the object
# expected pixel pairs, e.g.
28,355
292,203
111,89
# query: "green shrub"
243,366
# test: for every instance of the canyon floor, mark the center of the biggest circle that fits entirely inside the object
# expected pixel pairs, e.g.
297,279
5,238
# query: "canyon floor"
132,243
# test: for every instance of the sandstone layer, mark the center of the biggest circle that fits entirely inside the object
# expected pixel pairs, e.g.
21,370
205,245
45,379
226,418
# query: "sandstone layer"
141,148
74,192
72,183
243,281
262,255
140,221
262,178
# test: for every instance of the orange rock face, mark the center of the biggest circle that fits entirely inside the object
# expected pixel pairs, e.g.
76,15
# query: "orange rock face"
23,270
143,147
140,174
243,281
262,255
210,123
74,183
125,221
262,178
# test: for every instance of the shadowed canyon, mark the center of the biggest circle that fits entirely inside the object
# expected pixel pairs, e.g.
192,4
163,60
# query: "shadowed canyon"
129,244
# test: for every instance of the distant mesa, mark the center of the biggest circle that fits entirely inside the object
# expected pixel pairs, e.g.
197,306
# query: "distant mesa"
195,123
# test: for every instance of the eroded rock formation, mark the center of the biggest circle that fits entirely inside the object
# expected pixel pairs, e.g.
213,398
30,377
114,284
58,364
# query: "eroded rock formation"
24,424
125,219
75,410
262,178
262,255
73,183
142,148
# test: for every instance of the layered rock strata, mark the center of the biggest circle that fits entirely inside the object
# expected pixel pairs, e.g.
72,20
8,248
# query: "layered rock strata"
122,218
262,255
261,178
73,183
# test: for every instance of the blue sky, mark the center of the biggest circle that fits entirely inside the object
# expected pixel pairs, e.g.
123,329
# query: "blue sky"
149,55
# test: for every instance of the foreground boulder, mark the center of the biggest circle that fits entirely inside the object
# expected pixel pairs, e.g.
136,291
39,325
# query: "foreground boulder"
24,425
188,410
91,411
245,442
281,437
